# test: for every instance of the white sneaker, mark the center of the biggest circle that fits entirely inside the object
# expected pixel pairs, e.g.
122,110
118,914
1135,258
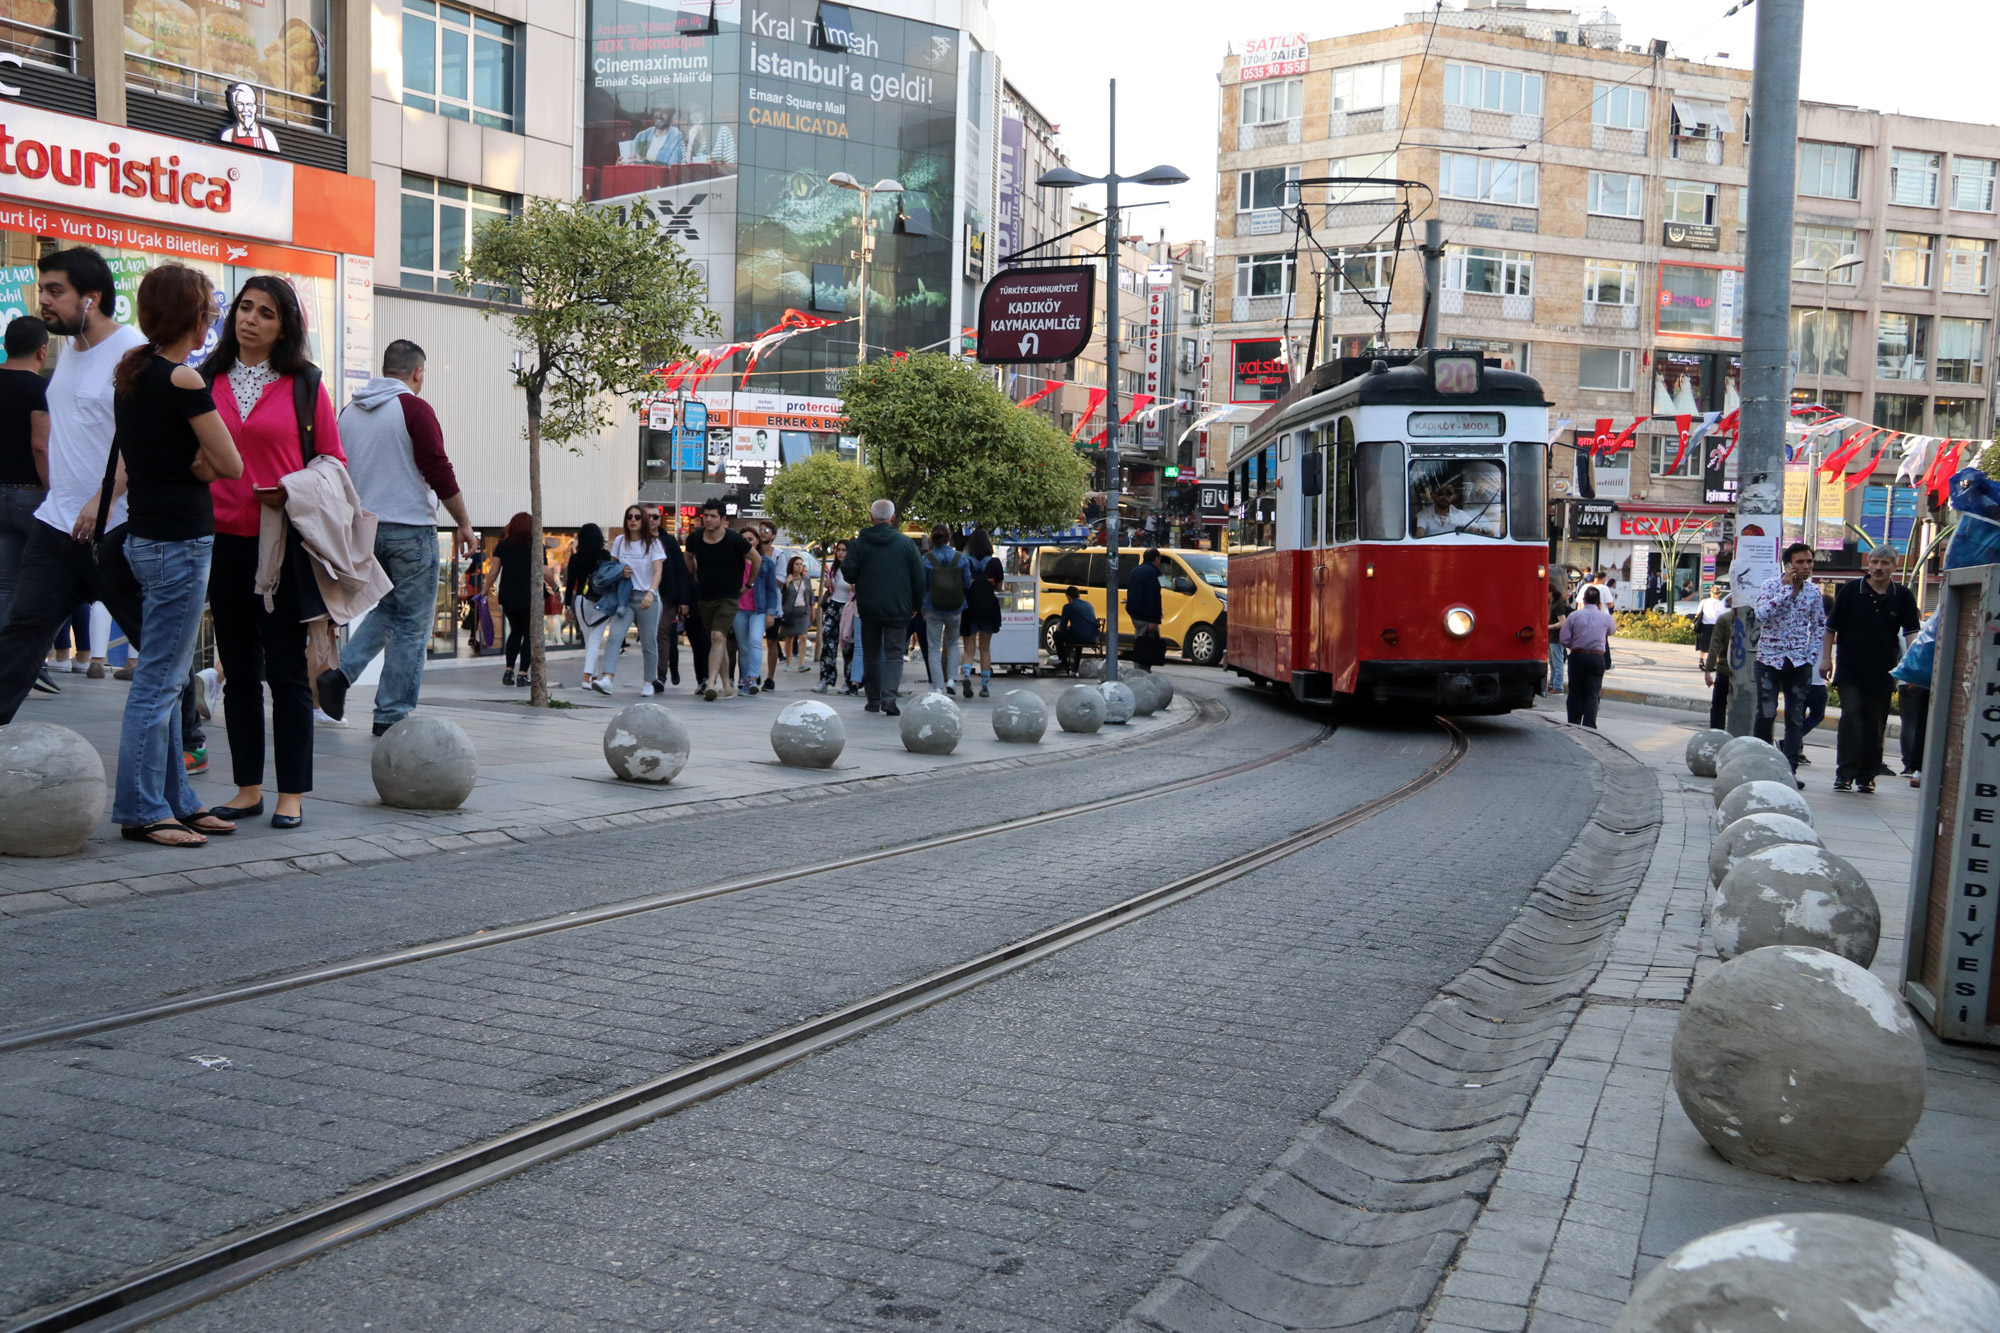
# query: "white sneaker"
206,690
602,684
646,690
321,719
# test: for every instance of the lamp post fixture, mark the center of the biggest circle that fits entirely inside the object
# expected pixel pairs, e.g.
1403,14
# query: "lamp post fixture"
1809,520
864,254
1064,178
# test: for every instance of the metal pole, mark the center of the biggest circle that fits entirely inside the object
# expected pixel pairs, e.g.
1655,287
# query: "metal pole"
674,448
861,357
1433,252
1774,91
1111,333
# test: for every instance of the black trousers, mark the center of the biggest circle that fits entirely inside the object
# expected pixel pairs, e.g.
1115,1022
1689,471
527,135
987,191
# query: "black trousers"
57,572
697,642
257,647
1718,702
1586,685
516,644
1916,715
1864,720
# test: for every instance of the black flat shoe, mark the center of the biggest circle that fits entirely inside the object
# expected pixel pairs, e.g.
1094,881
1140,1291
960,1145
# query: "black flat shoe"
287,821
234,815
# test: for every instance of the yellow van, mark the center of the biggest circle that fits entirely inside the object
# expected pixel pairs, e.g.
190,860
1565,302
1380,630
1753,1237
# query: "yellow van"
1194,594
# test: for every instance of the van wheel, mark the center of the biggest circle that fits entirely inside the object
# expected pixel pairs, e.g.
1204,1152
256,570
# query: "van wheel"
1049,627
1203,646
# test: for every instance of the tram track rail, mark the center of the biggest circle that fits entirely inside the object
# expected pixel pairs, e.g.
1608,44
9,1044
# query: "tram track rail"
205,1274
45,1034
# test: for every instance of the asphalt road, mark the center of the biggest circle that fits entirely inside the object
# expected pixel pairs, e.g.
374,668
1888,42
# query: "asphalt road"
1035,1154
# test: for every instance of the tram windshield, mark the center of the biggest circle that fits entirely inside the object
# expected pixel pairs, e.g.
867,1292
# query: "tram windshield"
1450,496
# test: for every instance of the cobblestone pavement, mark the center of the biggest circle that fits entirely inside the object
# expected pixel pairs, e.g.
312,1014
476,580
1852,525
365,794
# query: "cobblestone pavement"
1034,1154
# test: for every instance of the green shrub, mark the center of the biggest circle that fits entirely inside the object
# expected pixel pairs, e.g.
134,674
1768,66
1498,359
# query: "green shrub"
1654,626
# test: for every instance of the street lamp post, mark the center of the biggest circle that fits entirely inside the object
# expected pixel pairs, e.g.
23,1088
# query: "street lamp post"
865,253
1809,521
1064,178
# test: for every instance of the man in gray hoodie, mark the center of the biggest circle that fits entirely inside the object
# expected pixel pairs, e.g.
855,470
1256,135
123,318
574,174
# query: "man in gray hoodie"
395,453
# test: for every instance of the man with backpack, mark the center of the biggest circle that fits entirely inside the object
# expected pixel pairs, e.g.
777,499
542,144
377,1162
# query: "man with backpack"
947,573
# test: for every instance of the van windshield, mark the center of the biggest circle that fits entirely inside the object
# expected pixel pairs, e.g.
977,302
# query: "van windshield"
1449,496
1208,566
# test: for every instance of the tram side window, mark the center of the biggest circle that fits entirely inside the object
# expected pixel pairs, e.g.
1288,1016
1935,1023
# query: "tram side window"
1340,484
1379,486
1527,498
1312,477
1449,496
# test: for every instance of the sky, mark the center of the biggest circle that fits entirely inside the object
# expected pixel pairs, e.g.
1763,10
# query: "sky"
1935,60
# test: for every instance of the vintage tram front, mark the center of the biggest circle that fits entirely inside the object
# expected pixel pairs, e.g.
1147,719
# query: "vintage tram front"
1389,535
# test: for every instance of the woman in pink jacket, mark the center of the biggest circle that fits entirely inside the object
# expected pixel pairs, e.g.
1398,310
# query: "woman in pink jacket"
253,370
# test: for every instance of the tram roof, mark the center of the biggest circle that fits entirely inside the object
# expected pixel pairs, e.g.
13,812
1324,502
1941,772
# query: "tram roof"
1400,377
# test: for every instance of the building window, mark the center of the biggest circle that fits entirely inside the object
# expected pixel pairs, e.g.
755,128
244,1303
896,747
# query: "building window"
1464,176
1900,411
1473,268
1968,265
459,64
1619,107
1828,170
196,52
1961,351
1614,194
1273,100
1821,349
47,38
1663,451
1913,178
1823,246
1695,119
1190,301
1366,270
1266,275
1367,87
1483,89
1377,166
1906,259
1264,188
1955,418
1972,184
1608,369
1610,282
1690,201
439,219
1698,301
1902,345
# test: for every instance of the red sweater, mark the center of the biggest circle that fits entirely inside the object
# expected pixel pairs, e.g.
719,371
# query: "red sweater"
269,443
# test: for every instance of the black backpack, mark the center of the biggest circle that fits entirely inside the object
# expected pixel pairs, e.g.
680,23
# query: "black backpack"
947,584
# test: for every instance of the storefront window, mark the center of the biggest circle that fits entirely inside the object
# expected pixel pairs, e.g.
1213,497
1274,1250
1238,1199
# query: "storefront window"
1698,301
439,219
1680,384
1957,418
196,52
41,32
1900,411
458,63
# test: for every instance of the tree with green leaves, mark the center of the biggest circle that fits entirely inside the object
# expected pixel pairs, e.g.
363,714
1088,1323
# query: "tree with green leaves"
821,500
1675,536
597,297
949,447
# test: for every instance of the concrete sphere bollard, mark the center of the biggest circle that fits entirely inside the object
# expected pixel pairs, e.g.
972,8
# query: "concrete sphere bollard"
1145,692
1166,684
1737,746
1090,668
808,734
1794,894
931,724
1701,750
645,742
1828,1272
1755,797
1754,833
424,763
1797,1063
1750,768
51,790
1080,708
1020,716
1118,702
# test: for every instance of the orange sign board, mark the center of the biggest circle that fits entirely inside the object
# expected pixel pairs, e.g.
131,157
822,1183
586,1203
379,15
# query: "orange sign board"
152,238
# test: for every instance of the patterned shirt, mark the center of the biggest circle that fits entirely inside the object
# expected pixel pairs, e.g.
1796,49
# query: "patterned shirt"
1792,624
248,384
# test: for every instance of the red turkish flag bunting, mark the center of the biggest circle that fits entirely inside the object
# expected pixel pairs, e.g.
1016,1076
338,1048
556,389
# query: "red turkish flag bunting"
1037,397
1097,397
1682,425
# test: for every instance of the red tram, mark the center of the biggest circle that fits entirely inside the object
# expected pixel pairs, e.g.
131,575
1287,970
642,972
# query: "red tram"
1389,526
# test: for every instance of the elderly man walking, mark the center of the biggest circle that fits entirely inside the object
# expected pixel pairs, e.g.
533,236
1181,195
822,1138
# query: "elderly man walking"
888,578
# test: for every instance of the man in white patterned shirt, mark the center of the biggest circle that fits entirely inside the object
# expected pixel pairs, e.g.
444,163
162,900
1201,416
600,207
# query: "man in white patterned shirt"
1791,623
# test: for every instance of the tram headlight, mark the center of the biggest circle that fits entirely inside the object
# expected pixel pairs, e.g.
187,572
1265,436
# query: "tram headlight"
1458,622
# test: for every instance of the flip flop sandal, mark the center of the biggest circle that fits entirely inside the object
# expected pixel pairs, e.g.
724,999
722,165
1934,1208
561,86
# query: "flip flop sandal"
146,832
221,828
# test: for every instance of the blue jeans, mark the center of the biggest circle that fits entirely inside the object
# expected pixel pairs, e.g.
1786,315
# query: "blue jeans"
400,625
942,637
1558,655
152,778
750,647
1793,684
647,618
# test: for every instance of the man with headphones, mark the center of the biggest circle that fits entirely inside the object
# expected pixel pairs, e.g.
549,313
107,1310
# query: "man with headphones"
59,569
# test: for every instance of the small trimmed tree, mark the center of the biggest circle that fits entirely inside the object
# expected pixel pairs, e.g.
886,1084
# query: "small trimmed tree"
822,500
949,447
597,297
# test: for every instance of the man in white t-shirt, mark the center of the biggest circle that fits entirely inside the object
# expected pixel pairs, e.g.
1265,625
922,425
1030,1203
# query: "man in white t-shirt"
58,572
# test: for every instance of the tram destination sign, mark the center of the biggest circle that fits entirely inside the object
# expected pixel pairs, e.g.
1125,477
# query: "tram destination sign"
1457,425
1037,315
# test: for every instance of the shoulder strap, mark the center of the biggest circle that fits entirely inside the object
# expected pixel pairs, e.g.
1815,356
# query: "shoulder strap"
104,491
305,402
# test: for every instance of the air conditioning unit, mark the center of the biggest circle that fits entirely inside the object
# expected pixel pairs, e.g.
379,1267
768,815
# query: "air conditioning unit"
1657,48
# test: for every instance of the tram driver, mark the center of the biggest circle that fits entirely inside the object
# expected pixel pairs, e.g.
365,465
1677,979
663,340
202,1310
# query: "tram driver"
1449,497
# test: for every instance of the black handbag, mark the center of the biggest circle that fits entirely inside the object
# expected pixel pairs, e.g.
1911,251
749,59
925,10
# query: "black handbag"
107,547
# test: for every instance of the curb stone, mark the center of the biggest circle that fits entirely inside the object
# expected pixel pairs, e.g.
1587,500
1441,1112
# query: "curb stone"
1357,1223
347,853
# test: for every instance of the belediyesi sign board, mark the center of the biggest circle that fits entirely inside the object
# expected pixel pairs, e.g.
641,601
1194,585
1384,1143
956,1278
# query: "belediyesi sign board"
1037,315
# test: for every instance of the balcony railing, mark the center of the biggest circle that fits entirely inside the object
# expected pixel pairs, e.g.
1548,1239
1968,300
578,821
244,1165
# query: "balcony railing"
1511,125
1616,139
37,45
1486,305
1373,121
1267,135
1252,309
1354,300
1605,316
283,106
1498,217
1698,150
1629,230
